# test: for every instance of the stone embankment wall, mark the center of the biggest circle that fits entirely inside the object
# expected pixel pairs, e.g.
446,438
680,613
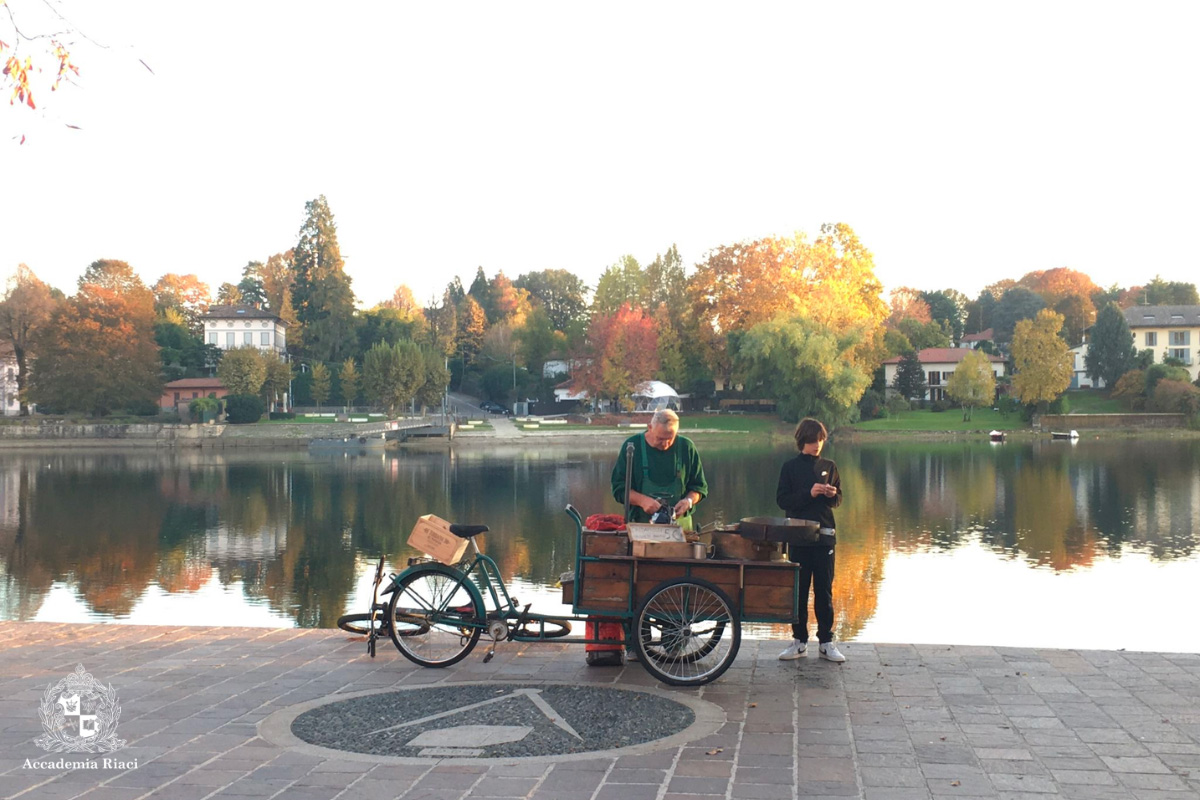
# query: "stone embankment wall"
65,434
1066,422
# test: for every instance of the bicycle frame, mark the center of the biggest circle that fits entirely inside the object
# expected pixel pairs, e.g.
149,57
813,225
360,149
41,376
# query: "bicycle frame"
484,574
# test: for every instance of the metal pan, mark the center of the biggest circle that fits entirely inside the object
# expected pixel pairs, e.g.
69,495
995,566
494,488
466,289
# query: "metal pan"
780,529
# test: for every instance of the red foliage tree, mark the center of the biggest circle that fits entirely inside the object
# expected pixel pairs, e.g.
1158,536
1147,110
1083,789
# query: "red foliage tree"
620,351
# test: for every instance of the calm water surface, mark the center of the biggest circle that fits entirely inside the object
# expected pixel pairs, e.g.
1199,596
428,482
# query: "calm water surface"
1092,545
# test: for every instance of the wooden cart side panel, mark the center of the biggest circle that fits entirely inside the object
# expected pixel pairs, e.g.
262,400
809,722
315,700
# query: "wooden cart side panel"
604,585
772,592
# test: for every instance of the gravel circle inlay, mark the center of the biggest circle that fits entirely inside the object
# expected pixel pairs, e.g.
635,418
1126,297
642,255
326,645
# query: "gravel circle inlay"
493,721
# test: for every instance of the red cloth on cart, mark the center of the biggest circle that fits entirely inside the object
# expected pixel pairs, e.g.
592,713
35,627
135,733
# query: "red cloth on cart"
605,522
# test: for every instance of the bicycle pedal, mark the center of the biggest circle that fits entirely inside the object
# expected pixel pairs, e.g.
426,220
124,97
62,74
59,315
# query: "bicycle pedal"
488,656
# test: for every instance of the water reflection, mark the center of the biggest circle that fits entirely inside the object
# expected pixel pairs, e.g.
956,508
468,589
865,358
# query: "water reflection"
282,538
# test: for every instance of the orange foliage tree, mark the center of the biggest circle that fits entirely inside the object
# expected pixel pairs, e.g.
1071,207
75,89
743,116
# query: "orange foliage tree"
25,309
98,352
619,352
830,281
187,294
1069,292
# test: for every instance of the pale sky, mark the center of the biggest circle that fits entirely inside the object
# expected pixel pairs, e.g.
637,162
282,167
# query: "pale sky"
963,142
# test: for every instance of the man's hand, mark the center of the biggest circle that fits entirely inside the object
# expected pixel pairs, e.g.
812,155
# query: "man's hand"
649,504
823,489
684,507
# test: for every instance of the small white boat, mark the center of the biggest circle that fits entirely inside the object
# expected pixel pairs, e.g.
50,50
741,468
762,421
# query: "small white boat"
1073,435
997,436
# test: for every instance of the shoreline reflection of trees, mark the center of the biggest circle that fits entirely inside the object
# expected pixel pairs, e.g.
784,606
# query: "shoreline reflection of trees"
296,532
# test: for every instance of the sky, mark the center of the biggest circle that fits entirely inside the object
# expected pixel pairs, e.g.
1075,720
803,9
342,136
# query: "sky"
963,142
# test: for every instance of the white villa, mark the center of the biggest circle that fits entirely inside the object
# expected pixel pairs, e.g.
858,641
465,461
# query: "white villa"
939,364
228,327
1168,331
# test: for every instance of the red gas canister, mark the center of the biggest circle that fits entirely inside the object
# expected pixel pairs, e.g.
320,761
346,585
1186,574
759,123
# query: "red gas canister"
605,655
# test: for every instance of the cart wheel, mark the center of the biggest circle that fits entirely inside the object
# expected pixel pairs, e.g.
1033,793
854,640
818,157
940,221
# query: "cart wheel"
436,615
687,633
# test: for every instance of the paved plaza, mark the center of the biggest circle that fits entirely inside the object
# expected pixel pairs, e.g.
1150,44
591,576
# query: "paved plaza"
201,711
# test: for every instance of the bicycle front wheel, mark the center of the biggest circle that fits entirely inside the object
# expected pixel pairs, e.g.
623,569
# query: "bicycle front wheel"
687,633
436,616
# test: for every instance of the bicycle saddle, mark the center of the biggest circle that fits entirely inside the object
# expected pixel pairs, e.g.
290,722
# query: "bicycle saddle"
467,531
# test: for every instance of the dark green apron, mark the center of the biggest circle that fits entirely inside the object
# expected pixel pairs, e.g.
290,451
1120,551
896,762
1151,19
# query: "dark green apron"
670,493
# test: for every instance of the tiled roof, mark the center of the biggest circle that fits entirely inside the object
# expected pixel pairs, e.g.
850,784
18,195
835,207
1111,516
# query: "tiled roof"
237,312
1162,316
944,355
982,336
195,383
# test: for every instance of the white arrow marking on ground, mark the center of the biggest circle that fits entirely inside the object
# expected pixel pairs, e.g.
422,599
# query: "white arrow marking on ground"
534,696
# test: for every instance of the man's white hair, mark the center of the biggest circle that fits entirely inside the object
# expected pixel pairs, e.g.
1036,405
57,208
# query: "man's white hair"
664,416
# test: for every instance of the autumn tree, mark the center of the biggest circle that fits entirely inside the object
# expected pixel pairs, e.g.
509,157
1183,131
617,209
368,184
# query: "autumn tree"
973,384
665,283
805,366
830,280
26,308
404,301
186,294
320,386
623,283
392,374
97,352
228,294
1041,359
511,303
904,302
561,293
1111,352
278,279
243,370
322,295
909,381
348,379
472,324
1161,293
621,351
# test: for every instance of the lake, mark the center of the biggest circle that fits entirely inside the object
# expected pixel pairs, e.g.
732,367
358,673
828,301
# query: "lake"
1026,543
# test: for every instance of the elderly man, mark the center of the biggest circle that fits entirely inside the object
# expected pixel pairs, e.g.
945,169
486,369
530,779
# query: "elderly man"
666,470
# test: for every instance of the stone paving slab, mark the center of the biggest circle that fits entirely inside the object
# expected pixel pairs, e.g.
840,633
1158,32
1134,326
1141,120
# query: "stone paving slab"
894,722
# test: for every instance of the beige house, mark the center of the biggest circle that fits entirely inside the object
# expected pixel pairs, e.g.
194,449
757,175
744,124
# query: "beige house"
939,364
1079,376
1167,331
228,327
10,406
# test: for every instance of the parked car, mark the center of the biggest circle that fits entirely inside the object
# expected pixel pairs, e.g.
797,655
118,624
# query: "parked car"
493,408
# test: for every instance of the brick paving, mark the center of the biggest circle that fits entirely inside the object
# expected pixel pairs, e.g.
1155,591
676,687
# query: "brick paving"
895,722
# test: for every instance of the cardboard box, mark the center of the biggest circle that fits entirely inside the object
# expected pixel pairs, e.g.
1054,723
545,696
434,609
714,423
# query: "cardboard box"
431,535
669,550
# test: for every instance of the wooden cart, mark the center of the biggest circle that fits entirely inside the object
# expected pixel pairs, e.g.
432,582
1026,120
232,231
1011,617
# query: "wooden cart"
682,616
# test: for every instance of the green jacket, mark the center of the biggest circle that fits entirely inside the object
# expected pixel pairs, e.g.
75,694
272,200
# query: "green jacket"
679,467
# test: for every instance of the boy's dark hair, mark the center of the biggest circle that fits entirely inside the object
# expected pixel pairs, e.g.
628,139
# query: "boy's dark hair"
808,431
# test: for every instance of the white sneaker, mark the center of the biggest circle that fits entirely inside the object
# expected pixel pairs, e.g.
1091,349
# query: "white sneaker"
829,652
795,650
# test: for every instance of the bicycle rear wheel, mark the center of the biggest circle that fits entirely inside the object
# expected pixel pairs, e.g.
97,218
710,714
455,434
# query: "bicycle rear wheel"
436,616
360,624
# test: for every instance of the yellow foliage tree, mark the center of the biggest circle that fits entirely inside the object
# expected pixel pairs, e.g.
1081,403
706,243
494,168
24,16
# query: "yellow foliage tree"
830,281
973,384
1041,359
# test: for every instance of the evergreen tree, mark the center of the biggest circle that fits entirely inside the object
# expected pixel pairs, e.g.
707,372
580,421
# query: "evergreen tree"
481,290
910,377
322,295
1110,350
